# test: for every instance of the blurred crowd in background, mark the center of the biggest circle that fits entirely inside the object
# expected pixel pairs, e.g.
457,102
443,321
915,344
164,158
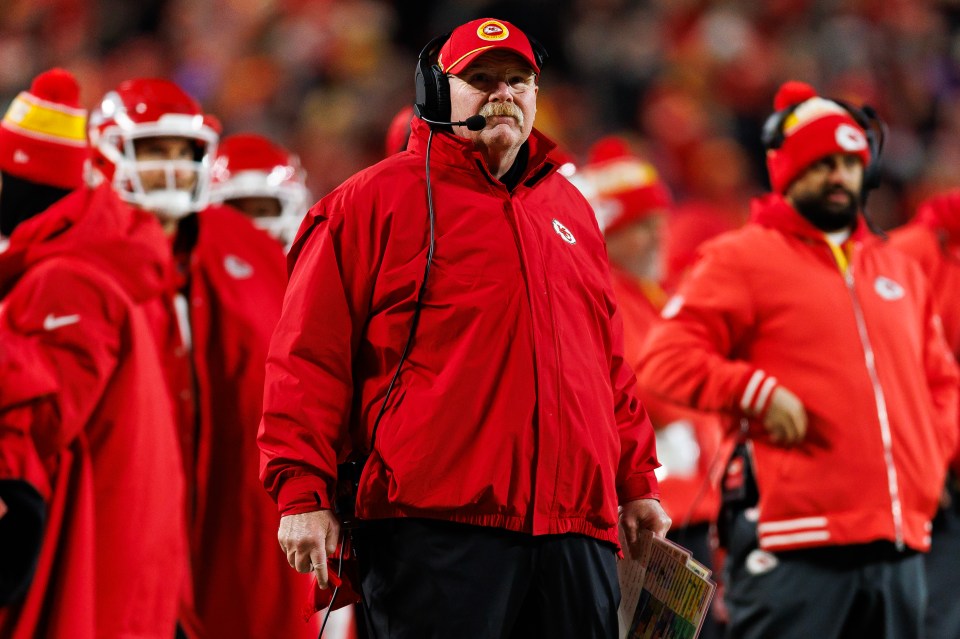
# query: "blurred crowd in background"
690,81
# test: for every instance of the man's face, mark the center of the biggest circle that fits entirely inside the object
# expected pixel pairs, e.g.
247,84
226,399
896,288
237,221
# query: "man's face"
166,149
827,193
502,87
254,207
636,246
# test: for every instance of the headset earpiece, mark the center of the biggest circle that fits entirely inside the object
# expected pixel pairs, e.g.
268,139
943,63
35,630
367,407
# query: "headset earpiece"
432,85
866,116
540,54
772,133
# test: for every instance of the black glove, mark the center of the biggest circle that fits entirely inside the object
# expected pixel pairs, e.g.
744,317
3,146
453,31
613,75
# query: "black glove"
21,534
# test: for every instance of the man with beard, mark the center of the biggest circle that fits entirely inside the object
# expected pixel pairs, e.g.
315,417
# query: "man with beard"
460,291
823,341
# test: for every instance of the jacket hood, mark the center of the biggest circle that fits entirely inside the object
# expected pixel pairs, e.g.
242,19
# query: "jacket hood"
97,227
942,213
773,211
453,149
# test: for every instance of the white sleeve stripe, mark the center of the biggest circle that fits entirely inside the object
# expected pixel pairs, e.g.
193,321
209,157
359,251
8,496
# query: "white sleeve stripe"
788,525
751,388
771,541
764,393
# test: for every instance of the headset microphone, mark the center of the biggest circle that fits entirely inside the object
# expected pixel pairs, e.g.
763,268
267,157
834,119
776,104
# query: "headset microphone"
473,123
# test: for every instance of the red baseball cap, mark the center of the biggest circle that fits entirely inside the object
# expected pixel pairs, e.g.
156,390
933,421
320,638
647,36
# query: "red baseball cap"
470,40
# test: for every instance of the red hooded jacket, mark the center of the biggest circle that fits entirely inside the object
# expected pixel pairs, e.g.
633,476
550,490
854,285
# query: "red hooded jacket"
933,239
515,407
85,418
860,345
243,586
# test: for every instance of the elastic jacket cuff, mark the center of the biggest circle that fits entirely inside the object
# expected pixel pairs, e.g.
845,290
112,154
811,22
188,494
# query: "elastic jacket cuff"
640,486
303,494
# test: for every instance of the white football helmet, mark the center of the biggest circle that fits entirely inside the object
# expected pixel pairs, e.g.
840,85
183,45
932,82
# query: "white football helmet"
152,108
251,166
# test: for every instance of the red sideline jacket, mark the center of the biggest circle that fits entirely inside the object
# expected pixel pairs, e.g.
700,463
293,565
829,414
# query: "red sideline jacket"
768,305
933,239
243,586
688,438
85,418
515,407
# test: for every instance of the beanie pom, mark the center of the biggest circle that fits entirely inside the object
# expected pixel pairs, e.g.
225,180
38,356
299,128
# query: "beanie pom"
57,85
792,93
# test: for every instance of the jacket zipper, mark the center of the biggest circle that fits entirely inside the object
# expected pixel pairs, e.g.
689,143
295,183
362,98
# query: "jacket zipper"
892,483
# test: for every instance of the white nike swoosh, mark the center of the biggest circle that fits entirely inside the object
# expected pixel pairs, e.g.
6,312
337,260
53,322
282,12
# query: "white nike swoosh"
52,322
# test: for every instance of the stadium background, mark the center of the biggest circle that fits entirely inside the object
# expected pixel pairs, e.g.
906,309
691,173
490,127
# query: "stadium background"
689,80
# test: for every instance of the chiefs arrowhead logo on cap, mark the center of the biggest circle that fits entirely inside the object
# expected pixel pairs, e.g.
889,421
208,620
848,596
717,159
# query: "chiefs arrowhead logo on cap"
493,30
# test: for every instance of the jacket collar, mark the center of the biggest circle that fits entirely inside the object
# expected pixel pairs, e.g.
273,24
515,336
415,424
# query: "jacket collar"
453,150
774,212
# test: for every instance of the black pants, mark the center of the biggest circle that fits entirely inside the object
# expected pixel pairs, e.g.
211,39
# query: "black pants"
943,565
423,578
839,592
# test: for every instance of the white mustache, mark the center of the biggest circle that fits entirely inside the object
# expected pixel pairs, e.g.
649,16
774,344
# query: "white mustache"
508,109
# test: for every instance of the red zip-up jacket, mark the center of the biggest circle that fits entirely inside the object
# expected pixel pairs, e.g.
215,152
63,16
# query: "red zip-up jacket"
932,238
243,586
86,419
854,334
515,407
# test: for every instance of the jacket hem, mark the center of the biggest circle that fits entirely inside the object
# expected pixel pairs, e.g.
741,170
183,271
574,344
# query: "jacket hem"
557,526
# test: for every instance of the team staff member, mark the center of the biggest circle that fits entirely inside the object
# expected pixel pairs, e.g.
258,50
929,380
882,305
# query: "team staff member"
89,460
632,204
826,340
154,145
490,495
933,239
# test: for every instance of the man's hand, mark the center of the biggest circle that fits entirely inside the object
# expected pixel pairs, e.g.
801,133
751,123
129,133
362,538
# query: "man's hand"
307,539
3,509
643,514
786,418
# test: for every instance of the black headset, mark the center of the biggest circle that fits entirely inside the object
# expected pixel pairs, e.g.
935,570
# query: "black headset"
433,86
866,116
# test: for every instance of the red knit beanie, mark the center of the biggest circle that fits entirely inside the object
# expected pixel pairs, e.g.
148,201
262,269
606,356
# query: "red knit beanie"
817,127
43,136
625,187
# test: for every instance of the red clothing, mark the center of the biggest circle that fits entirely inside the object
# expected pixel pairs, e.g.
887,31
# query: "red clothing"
767,305
514,409
933,239
242,583
84,417
689,225
688,494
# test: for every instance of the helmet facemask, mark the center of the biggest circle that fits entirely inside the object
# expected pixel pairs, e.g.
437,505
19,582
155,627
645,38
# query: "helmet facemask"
170,187
277,184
